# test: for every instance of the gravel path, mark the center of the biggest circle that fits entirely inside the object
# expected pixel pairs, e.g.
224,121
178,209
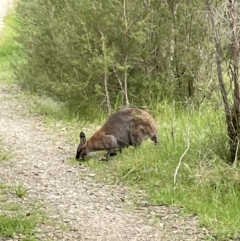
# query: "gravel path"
90,210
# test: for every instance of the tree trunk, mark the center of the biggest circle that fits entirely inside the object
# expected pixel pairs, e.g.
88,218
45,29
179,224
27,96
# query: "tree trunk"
234,74
231,116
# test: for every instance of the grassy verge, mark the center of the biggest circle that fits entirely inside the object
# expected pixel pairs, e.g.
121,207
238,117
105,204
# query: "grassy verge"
17,220
8,48
205,183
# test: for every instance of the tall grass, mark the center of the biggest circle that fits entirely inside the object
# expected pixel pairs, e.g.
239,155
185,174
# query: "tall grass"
8,48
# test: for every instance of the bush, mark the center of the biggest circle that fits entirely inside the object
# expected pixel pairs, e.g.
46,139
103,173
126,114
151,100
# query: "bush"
69,46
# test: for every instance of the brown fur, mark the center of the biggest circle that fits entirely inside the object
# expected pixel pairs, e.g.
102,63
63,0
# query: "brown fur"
126,127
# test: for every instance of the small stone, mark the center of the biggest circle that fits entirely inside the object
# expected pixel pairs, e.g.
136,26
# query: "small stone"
91,175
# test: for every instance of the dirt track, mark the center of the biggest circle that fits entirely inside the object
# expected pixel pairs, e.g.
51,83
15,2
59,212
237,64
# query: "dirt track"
90,210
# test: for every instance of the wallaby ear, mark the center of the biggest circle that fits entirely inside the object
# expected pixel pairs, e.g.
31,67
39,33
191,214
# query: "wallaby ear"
82,139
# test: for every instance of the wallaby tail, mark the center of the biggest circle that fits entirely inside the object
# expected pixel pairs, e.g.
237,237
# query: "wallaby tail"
155,139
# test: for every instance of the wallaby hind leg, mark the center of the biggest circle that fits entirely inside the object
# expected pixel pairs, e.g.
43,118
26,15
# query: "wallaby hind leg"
113,152
108,155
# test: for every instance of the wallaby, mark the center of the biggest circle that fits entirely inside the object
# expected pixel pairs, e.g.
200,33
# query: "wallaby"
126,127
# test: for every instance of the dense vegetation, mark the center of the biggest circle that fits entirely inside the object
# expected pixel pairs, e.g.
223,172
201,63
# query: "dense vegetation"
92,55
86,52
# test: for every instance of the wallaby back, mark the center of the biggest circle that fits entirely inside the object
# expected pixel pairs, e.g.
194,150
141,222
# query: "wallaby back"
125,127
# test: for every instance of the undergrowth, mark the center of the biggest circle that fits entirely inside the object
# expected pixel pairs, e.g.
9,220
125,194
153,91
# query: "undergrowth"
8,48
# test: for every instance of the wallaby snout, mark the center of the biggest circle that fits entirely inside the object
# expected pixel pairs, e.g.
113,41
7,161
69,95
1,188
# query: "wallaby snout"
126,127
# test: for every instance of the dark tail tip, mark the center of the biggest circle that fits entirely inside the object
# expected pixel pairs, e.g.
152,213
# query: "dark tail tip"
155,139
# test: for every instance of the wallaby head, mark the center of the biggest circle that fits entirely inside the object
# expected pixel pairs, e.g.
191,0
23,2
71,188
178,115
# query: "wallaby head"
82,147
126,127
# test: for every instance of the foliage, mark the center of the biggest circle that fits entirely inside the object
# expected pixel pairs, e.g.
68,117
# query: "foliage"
68,47
8,47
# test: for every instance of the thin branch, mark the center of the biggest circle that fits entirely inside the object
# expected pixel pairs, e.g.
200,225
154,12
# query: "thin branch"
117,76
126,83
180,161
107,94
236,156
105,72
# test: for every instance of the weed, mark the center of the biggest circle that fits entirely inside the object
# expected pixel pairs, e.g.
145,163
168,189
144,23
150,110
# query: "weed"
21,191
4,155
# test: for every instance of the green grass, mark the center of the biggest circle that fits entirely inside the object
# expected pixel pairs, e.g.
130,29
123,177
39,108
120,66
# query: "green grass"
20,190
19,224
46,106
4,155
15,220
8,48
